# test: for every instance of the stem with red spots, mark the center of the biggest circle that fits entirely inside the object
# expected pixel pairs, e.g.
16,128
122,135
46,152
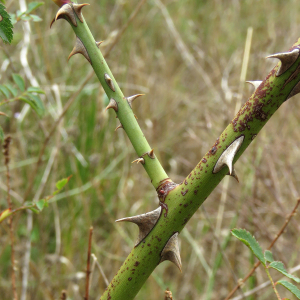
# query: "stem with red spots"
180,202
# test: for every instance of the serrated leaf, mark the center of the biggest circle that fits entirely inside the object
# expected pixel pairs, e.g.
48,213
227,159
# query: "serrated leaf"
36,103
32,6
5,91
289,286
13,91
6,26
269,256
245,237
35,18
19,82
35,89
40,204
278,265
1,134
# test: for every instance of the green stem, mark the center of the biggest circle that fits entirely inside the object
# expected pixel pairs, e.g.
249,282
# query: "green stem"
273,284
124,113
180,202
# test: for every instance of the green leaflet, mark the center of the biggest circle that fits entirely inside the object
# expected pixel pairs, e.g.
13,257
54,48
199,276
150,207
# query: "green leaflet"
293,289
278,265
245,237
6,27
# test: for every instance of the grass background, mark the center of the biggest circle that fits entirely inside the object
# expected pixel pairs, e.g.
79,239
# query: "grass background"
191,95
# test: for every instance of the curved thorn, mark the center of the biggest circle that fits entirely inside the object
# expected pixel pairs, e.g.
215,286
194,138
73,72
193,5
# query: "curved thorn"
53,20
145,222
109,82
151,154
132,98
227,156
79,48
112,104
294,91
233,174
255,83
77,8
287,59
120,126
99,43
139,160
66,11
171,251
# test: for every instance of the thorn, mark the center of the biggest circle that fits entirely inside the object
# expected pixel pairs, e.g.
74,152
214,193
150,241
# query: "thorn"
151,154
112,104
287,59
255,83
66,11
171,251
80,48
294,91
145,222
77,8
109,82
3,114
139,160
136,117
227,156
234,175
53,20
120,126
99,43
132,98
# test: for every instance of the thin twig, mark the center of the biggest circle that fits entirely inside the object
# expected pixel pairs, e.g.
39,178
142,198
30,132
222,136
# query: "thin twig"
87,284
11,229
100,269
240,282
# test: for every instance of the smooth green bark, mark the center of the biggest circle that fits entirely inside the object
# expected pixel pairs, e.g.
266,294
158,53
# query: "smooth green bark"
125,114
179,204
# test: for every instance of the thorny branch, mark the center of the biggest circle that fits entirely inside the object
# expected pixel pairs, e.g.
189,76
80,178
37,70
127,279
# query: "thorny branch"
73,98
242,281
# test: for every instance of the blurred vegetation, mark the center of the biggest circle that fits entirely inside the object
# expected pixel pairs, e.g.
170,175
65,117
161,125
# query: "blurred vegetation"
191,95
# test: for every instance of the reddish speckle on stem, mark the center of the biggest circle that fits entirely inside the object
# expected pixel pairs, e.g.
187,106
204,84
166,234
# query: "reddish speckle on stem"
183,193
129,279
204,160
164,206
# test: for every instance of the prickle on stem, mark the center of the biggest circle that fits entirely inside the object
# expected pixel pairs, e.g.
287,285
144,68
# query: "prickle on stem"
132,98
171,251
227,156
109,82
139,160
287,60
145,222
66,11
254,83
112,104
80,48
77,8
